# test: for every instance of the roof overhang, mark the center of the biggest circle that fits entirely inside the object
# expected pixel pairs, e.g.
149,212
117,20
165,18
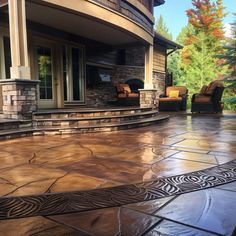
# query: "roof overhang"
168,44
158,2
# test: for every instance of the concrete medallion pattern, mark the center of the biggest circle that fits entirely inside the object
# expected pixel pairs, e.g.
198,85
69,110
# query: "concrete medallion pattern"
60,203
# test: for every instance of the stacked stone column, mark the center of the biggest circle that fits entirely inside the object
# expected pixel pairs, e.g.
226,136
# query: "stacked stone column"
148,98
148,95
19,98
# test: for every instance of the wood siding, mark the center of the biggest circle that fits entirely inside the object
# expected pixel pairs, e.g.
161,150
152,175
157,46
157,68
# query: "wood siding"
159,59
130,11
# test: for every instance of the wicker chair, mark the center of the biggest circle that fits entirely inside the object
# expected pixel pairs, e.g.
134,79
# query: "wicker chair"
169,103
209,98
125,96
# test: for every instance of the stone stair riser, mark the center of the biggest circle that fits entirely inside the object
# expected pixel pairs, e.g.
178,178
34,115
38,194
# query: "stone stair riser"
74,123
57,131
86,114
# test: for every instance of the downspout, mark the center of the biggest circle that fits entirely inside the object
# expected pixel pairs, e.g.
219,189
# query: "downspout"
175,49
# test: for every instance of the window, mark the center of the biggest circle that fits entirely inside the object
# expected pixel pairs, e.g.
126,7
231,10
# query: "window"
44,59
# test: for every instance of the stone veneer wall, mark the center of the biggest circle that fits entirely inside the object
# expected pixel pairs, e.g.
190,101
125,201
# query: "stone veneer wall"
100,95
135,56
123,73
103,93
134,69
159,82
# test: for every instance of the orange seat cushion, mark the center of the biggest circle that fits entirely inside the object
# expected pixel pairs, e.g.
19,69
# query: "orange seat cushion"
128,95
202,99
122,95
133,95
168,99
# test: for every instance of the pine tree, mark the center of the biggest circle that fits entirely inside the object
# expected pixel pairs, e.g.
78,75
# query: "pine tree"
202,44
229,58
162,28
174,60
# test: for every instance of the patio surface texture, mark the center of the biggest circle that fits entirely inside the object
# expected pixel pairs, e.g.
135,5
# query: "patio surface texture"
173,178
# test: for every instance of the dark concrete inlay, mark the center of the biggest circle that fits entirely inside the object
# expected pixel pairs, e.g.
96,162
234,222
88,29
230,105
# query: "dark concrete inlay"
69,202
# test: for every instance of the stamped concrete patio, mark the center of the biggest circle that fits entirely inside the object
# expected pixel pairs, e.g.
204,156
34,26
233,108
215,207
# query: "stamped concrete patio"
174,178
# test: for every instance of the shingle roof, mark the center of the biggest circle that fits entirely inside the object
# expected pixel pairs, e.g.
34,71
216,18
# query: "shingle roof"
169,44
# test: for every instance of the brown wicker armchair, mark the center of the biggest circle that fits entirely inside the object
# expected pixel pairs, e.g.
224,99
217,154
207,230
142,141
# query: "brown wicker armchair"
168,102
125,96
209,98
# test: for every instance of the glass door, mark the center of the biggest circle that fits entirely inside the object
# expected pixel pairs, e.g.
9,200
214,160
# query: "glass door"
73,74
45,73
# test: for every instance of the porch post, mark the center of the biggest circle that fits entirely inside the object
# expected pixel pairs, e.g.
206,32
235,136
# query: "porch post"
18,37
148,69
19,92
148,95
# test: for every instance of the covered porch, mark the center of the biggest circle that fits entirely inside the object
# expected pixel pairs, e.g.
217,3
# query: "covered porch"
68,58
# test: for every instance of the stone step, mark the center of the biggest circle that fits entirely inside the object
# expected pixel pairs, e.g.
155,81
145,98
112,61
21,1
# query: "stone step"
76,113
83,128
6,124
93,120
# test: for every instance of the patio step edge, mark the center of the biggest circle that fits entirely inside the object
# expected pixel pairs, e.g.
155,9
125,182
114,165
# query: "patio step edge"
81,129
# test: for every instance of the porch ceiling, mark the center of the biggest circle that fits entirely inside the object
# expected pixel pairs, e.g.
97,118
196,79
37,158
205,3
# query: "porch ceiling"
77,24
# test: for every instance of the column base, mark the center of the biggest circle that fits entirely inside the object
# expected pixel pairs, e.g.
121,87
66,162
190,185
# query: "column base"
148,98
19,98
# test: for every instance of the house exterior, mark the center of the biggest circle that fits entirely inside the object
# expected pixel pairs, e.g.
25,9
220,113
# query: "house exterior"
60,53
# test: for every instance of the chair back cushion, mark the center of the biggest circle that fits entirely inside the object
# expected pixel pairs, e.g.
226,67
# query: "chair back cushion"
211,87
119,88
174,94
203,89
123,88
182,90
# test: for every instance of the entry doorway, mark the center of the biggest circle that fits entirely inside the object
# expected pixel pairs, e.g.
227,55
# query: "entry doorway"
73,75
45,73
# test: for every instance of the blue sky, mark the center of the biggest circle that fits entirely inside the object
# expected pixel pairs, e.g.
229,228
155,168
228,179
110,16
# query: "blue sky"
173,12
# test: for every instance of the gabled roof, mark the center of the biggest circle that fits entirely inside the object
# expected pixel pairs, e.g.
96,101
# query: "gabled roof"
158,38
158,2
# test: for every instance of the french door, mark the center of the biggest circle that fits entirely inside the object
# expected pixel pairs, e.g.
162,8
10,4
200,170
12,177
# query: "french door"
46,75
73,75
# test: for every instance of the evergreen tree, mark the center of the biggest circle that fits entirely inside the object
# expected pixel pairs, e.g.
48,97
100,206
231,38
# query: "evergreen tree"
174,60
203,42
229,58
162,28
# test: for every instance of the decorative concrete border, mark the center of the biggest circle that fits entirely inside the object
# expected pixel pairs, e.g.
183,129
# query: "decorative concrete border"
69,202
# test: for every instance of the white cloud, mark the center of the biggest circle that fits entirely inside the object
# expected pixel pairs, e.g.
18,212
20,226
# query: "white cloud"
228,30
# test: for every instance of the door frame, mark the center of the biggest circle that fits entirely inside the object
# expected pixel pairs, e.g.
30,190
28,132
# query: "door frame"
68,46
46,103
